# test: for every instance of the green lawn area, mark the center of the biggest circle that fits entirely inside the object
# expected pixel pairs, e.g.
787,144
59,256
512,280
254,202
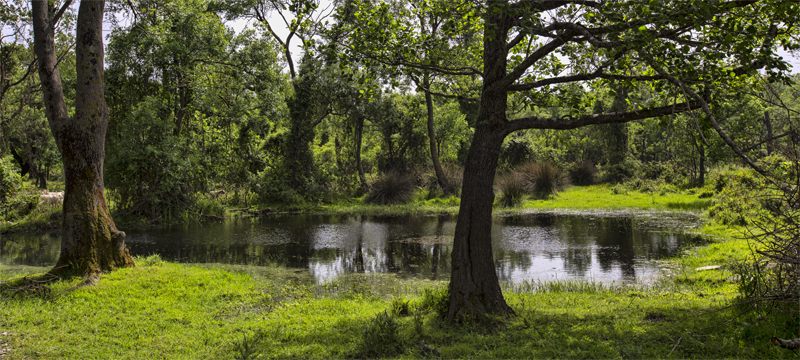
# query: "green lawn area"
167,310
574,197
603,197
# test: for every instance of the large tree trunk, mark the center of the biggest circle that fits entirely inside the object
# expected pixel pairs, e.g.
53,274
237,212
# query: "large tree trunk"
474,286
444,183
90,241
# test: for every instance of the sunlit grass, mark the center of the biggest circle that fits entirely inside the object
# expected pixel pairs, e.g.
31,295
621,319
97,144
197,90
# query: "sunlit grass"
604,197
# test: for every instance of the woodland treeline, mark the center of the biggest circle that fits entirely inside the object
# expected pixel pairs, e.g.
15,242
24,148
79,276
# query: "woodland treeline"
315,101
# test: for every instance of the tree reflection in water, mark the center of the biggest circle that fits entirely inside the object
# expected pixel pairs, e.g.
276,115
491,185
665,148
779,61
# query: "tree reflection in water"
531,247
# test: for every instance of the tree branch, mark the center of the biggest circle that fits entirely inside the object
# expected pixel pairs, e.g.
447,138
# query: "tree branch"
594,119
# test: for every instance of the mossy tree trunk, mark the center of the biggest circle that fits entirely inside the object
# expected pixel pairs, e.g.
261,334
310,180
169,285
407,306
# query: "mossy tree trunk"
91,242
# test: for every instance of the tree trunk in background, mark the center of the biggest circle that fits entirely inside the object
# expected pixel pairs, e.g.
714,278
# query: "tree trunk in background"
768,133
701,177
90,241
617,139
474,286
444,183
359,139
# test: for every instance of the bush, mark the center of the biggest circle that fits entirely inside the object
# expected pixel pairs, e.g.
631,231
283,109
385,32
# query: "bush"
392,188
454,175
512,189
773,274
583,173
736,195
514,153
381,338
620,172
434,300
10,180
153,174
541,179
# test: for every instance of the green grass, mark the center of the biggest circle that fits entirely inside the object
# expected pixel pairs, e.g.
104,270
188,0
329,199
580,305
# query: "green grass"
604,197
597,197
167,310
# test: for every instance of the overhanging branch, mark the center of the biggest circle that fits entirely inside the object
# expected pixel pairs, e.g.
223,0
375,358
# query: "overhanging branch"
567,123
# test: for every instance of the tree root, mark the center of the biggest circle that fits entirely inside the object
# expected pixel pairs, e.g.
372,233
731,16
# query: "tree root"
791,344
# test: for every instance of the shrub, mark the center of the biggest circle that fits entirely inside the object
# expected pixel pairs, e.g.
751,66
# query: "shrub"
541,179
514,153
381,338
454,175
153,174
773,274
10,180
392,188
736,199
512,189
627,169
435,300
583,173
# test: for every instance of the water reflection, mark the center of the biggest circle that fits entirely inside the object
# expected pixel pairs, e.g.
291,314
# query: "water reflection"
527,247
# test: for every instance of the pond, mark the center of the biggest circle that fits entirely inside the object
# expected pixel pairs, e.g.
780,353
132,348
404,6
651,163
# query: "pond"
599,247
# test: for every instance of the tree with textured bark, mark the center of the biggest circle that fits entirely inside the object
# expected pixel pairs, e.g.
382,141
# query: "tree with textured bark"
535,50
626,41
90,240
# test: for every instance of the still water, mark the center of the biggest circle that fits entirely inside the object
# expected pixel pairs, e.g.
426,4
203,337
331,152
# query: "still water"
609,248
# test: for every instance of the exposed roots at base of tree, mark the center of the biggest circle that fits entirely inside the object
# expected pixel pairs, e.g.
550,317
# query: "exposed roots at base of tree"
792,344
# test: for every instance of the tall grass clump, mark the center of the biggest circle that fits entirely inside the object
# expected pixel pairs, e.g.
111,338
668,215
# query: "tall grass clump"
512,189
541,179
584,173
381,338
392,188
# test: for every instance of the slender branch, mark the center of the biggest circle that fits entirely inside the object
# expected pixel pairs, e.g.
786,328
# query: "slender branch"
60,12
537,55
581,77
711,117
594,119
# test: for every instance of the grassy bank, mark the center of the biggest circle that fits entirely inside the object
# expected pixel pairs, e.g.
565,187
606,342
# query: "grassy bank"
599,197
218,311
221,311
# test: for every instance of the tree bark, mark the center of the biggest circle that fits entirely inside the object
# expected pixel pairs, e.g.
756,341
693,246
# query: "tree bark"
768,133
444,183
701,177
474,286
90,241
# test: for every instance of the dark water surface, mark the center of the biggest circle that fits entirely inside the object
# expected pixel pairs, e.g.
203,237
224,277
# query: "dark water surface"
532,247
